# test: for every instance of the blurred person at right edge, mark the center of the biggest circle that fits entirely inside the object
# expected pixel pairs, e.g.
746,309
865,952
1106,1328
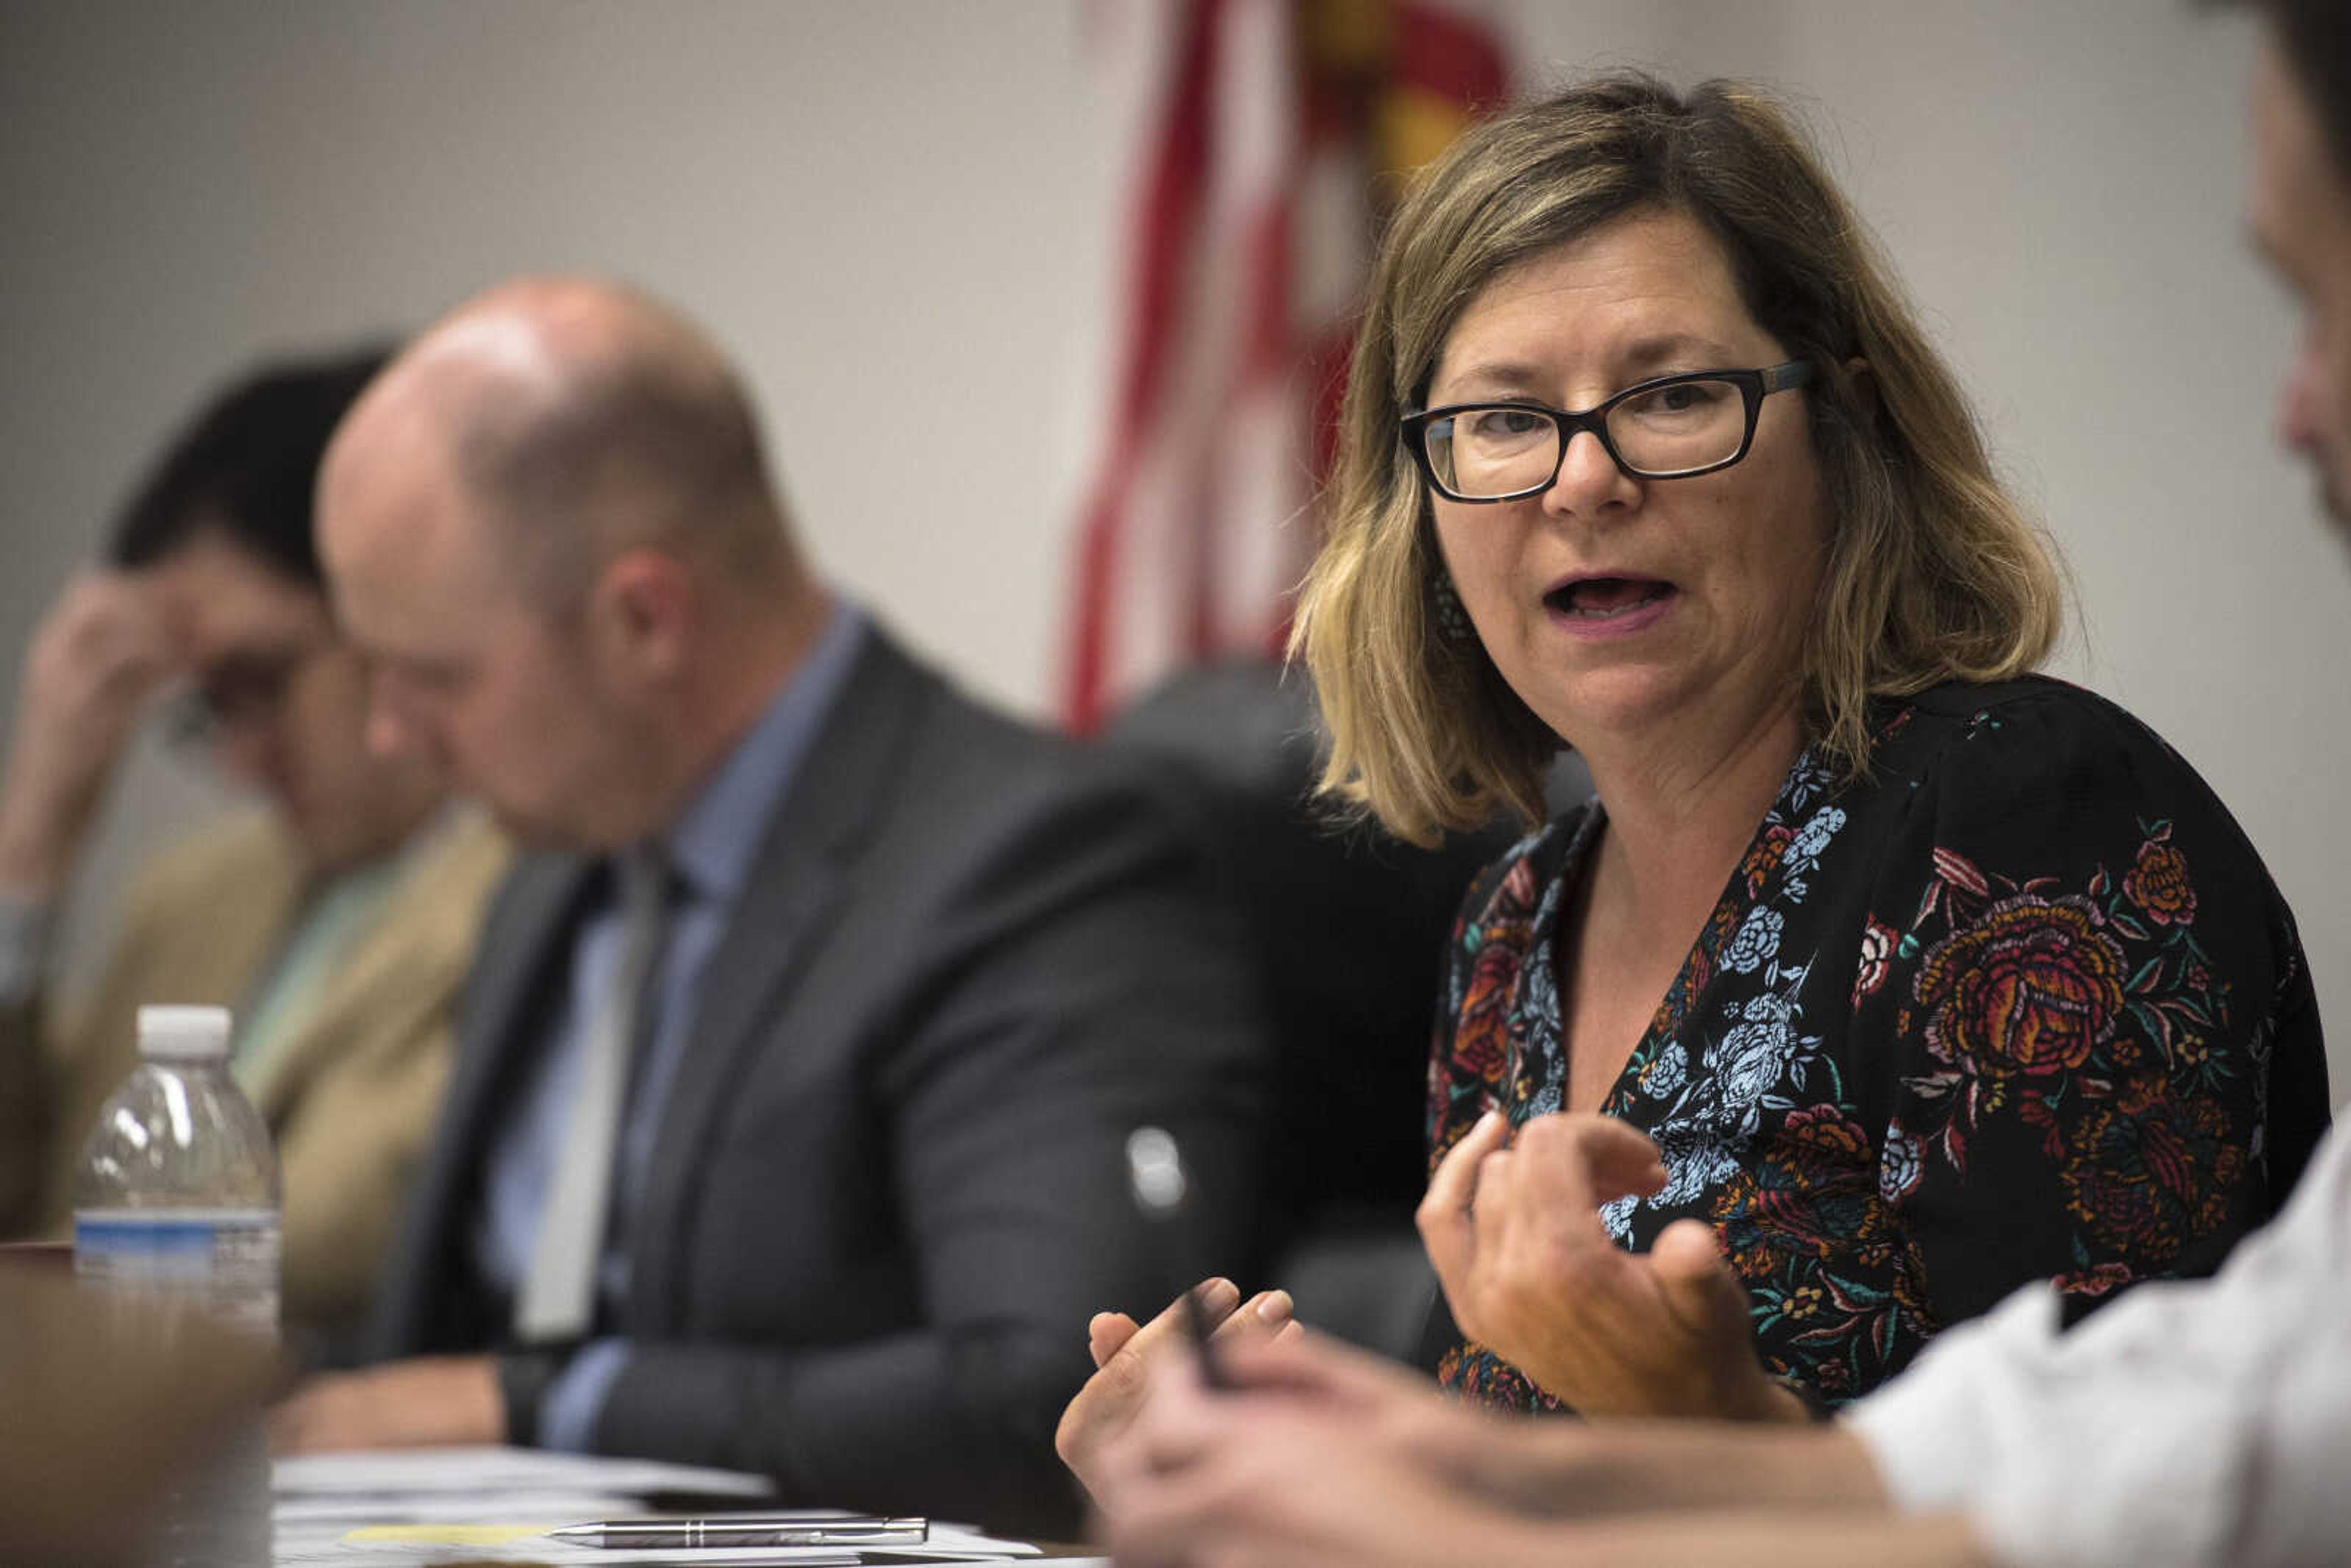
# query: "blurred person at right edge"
2203,1422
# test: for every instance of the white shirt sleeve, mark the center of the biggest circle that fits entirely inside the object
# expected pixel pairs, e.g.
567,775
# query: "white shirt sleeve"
2192,1423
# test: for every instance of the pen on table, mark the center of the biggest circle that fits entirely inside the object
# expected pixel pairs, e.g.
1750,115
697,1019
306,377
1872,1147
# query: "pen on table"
1155,1174
746,1530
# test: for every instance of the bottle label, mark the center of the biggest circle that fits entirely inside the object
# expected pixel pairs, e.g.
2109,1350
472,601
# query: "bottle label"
223,1260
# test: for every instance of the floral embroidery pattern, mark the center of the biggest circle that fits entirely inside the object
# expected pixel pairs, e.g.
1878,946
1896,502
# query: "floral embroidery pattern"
2151,1172
1901,1160
1876,957
2033,987
2158,883
1830,1268
1481,1041
1807,1196
2075,1013
1755,1059
2033,1031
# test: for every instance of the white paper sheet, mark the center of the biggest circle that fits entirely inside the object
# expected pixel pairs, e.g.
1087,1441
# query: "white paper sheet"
323,1500
491,1470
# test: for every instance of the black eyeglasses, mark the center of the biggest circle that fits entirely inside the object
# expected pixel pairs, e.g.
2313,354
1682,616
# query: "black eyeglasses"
1674,427
246,688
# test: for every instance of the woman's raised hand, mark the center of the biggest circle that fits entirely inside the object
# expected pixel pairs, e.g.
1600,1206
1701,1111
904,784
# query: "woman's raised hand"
1513,1228
1124,1353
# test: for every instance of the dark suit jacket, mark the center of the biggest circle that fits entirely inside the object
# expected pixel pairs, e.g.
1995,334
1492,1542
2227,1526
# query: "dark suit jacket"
888,1187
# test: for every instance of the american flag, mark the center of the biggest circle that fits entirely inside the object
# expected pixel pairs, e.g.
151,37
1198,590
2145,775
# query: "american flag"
1260,141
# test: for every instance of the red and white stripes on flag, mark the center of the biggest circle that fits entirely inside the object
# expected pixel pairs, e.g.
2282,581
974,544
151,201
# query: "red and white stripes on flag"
1257,139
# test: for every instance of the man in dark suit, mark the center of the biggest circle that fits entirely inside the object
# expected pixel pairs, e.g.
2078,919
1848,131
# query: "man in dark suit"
795,1070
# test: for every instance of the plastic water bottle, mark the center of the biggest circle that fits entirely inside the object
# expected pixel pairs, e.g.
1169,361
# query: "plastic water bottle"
177,1205
178,1194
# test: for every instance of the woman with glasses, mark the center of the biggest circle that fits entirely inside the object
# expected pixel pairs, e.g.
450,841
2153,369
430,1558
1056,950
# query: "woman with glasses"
1880,974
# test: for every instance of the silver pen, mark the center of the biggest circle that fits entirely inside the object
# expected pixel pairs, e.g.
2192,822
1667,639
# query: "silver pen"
747,1530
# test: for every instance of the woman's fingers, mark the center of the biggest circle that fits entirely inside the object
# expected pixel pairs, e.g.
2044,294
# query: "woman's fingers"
1539,1280
1454,1187
1119,1384
1106,1333
1686,1250
1585,1160
1259,1316
1711,1311
1217,1298
1444,1217
1563,1168
1512,1223
1706,1298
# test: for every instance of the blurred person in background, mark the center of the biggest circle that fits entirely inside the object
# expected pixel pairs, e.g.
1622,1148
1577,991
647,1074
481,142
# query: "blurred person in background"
337,920
788,1124
1880,976
2190,1424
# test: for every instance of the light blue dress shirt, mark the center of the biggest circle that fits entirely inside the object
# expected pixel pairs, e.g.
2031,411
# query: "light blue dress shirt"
710,848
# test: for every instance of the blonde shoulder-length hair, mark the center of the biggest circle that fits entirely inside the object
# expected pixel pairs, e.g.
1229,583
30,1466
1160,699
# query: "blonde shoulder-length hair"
1932,572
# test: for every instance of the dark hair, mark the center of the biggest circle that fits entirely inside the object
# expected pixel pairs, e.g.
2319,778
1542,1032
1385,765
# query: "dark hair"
247,465
2313,37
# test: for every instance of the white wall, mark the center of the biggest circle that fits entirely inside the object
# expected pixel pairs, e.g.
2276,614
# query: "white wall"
895,202
883,204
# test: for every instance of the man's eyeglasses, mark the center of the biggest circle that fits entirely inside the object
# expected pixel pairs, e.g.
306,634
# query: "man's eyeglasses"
1674,427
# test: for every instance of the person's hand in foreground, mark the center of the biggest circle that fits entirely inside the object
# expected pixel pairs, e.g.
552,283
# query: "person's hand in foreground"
1399,1414
434,1401
1319,1456
1538,1465
1514,1231
1124,1353
100,653
1296,1467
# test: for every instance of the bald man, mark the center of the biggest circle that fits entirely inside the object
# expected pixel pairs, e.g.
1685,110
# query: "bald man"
787,1128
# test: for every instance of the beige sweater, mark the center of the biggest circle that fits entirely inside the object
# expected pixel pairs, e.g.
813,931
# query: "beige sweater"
352,1098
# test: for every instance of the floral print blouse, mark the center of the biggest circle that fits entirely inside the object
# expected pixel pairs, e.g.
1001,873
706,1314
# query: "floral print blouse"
2021,1003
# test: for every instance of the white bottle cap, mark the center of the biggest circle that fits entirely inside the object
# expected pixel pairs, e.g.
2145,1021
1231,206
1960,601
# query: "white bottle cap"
184,1032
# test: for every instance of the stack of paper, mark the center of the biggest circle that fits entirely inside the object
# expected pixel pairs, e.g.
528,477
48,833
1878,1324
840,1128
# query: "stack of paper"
497,1505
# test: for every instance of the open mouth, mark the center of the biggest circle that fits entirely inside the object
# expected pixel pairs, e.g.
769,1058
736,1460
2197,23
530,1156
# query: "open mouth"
1606,598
